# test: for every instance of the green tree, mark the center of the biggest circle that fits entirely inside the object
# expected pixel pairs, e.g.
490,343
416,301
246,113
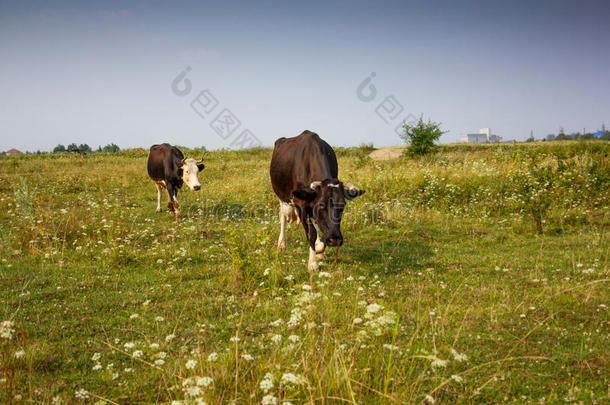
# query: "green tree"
72,147
83,147
421,136
112,148
59,148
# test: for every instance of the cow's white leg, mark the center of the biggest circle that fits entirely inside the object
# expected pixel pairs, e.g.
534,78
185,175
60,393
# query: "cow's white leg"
313,260
177,208
281,241
285,211
320,246
158,197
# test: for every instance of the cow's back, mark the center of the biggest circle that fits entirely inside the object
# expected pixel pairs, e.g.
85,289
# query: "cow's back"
161,159
299,161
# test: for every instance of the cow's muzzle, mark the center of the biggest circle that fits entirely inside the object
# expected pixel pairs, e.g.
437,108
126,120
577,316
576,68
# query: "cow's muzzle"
334,241
196,188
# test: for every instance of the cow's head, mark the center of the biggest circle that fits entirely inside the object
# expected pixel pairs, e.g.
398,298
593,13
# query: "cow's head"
325,200
190,168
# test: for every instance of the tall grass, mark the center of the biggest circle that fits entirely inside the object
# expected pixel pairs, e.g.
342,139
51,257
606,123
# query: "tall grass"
478,274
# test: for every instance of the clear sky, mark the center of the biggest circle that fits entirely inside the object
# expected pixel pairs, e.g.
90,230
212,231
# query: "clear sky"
100,72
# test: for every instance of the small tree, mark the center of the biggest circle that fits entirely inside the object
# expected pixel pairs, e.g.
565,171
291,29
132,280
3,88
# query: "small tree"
72,147
59,148
83,147
421,136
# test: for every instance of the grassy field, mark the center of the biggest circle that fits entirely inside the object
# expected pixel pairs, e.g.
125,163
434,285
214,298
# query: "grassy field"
476,275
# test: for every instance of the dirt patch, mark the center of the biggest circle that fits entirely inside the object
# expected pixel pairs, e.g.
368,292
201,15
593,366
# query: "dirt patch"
386,153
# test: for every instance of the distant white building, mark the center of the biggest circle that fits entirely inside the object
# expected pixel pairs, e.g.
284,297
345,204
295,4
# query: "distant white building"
474,138
484,136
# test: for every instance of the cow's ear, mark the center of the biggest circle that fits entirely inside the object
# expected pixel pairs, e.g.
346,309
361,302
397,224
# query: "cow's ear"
200,167
305,194
350,192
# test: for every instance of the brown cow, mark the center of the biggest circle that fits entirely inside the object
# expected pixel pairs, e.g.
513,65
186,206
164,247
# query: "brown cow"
304,175
169,169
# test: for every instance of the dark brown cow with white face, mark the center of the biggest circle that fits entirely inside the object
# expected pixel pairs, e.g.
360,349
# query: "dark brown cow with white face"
169,169
304,175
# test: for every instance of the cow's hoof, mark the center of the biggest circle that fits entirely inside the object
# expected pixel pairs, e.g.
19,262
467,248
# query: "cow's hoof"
281,246
313,266
159,210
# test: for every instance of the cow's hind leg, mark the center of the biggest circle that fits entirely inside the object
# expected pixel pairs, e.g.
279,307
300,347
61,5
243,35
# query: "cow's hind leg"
285,211
158,196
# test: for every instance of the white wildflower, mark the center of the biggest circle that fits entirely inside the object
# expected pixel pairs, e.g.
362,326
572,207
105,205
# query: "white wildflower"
276,339
247,357
457,378
357,321
269,400
159,319
294,338
373,308
429,399
460,357
6,329
129,345
137,354
96,357
191,364
213,356
159,362
134,316
204,381
81,394
437,363
192,391
170,337
19,354
267,383
289,378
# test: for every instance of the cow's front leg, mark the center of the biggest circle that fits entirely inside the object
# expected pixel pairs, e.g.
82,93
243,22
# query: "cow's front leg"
176,206
319,245
172,202
312,263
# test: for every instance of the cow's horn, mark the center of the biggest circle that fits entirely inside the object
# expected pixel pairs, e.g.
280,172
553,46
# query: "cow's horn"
315,185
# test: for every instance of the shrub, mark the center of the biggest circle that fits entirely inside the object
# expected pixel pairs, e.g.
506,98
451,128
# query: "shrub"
421,136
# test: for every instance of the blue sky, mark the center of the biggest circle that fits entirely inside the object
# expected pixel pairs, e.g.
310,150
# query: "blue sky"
101,72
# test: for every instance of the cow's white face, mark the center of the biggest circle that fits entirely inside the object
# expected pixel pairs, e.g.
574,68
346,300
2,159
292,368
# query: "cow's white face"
190,171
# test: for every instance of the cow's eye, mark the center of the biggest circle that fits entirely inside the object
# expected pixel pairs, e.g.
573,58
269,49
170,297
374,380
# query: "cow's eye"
322,206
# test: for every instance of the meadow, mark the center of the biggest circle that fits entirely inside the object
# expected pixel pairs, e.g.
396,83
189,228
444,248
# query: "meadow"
477,274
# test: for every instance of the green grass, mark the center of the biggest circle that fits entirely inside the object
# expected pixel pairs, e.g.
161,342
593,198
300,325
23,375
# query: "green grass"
488,266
